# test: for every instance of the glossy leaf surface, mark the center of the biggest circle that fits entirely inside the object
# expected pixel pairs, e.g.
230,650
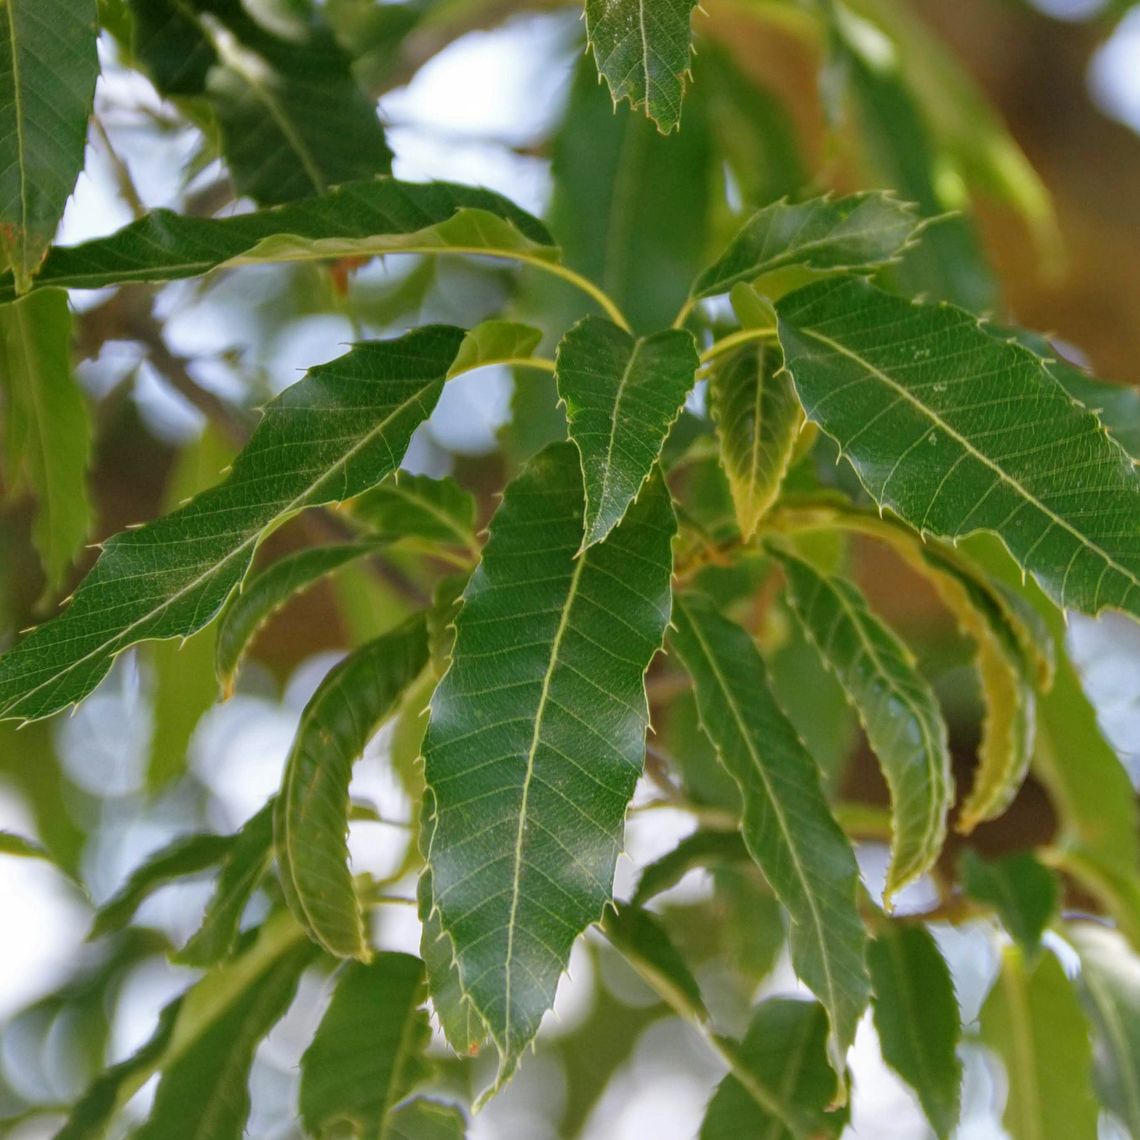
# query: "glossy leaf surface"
622,396
787,824
331,436
537,735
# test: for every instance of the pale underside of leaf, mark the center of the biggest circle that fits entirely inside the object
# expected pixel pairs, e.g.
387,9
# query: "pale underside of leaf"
311,813
537,736
896,706
957,432
787,824
329,437
621,398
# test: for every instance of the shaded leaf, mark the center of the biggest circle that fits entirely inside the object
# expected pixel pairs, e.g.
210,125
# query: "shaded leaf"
956,432
48,69
242,868
426,1119
267,592
419,507
758,419
343,428
1109,985
358,219
47,434
896,706
642,51
1033,1021
709,849
917,1018
537,735
1024,893
824,235
368,1052
1117,405
787,824
785,1057
310,822
622,396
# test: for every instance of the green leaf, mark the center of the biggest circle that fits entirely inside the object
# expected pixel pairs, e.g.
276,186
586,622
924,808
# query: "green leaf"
47,435
644,943
242,868
1023,892
823,235
917,1018
642,50
48,69
1109,985
537,735
264,594
709,849
293,119
204,1093
622,396
1117,406
426,1119
957,432
367,1054
189,855
785,1056
787,824
496,342
418,507
327,438
897,708
311,814
1033,1021
631,206
358,219
758,419
22,847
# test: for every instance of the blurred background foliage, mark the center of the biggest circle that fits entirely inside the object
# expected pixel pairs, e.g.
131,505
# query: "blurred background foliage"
787,99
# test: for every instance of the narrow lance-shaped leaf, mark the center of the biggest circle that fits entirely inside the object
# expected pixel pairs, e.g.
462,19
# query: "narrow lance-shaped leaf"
711,849
622,396
1022,891
537,736
642,50
787,824
917,1018
244,864
48,68
1109,986
204,1093
358,219
265,594
1033,1021
331,436
425,1119
896,706
368,1052
311,814
758,419
496,342
46,427
822,235
958,432
784,1054
436,511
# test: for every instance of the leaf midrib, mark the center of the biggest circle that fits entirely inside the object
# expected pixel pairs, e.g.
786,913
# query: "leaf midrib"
21,143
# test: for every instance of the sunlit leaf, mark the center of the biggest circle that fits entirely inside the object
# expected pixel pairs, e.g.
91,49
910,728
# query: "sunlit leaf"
784,1059
537,735
787,824
642,50
368,1052
896,706
331,436
824,235
1024,893
310,822
1109,985
622,396
358,219
956,431
48,68
1033,1021
46,427
917,1018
